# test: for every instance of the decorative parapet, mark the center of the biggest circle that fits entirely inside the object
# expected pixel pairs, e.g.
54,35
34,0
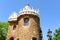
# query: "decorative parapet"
25,10
28,10
13,17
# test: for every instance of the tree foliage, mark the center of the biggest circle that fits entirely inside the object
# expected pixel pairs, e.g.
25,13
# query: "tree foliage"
57,34
3,30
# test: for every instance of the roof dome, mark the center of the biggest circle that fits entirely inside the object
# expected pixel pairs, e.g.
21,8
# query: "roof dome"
13,17
28,10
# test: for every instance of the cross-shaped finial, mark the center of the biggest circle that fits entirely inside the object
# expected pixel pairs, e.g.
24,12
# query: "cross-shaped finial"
27,3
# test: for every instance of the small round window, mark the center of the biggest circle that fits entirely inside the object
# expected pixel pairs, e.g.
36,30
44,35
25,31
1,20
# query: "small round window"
14,27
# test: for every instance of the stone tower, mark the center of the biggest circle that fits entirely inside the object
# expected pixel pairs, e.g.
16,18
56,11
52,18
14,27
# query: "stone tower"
25,25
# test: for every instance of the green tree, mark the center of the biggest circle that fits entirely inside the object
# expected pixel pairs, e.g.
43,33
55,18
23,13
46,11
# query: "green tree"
57,34
3,30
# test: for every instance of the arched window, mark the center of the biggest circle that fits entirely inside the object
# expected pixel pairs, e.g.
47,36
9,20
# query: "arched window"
18,39
26,21
14,27
34,38
11,38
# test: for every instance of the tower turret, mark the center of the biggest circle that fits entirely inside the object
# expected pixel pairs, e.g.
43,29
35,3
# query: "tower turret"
26,25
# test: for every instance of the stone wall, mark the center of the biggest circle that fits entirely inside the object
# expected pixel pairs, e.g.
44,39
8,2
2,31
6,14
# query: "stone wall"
23,32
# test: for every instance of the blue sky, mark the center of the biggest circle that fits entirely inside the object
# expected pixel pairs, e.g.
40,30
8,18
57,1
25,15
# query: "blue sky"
49,12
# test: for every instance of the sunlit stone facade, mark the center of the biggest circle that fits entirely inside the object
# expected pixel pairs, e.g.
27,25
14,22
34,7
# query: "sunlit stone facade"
25,25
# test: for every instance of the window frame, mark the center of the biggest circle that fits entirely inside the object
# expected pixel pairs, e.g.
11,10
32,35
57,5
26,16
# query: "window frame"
26,21
14,27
